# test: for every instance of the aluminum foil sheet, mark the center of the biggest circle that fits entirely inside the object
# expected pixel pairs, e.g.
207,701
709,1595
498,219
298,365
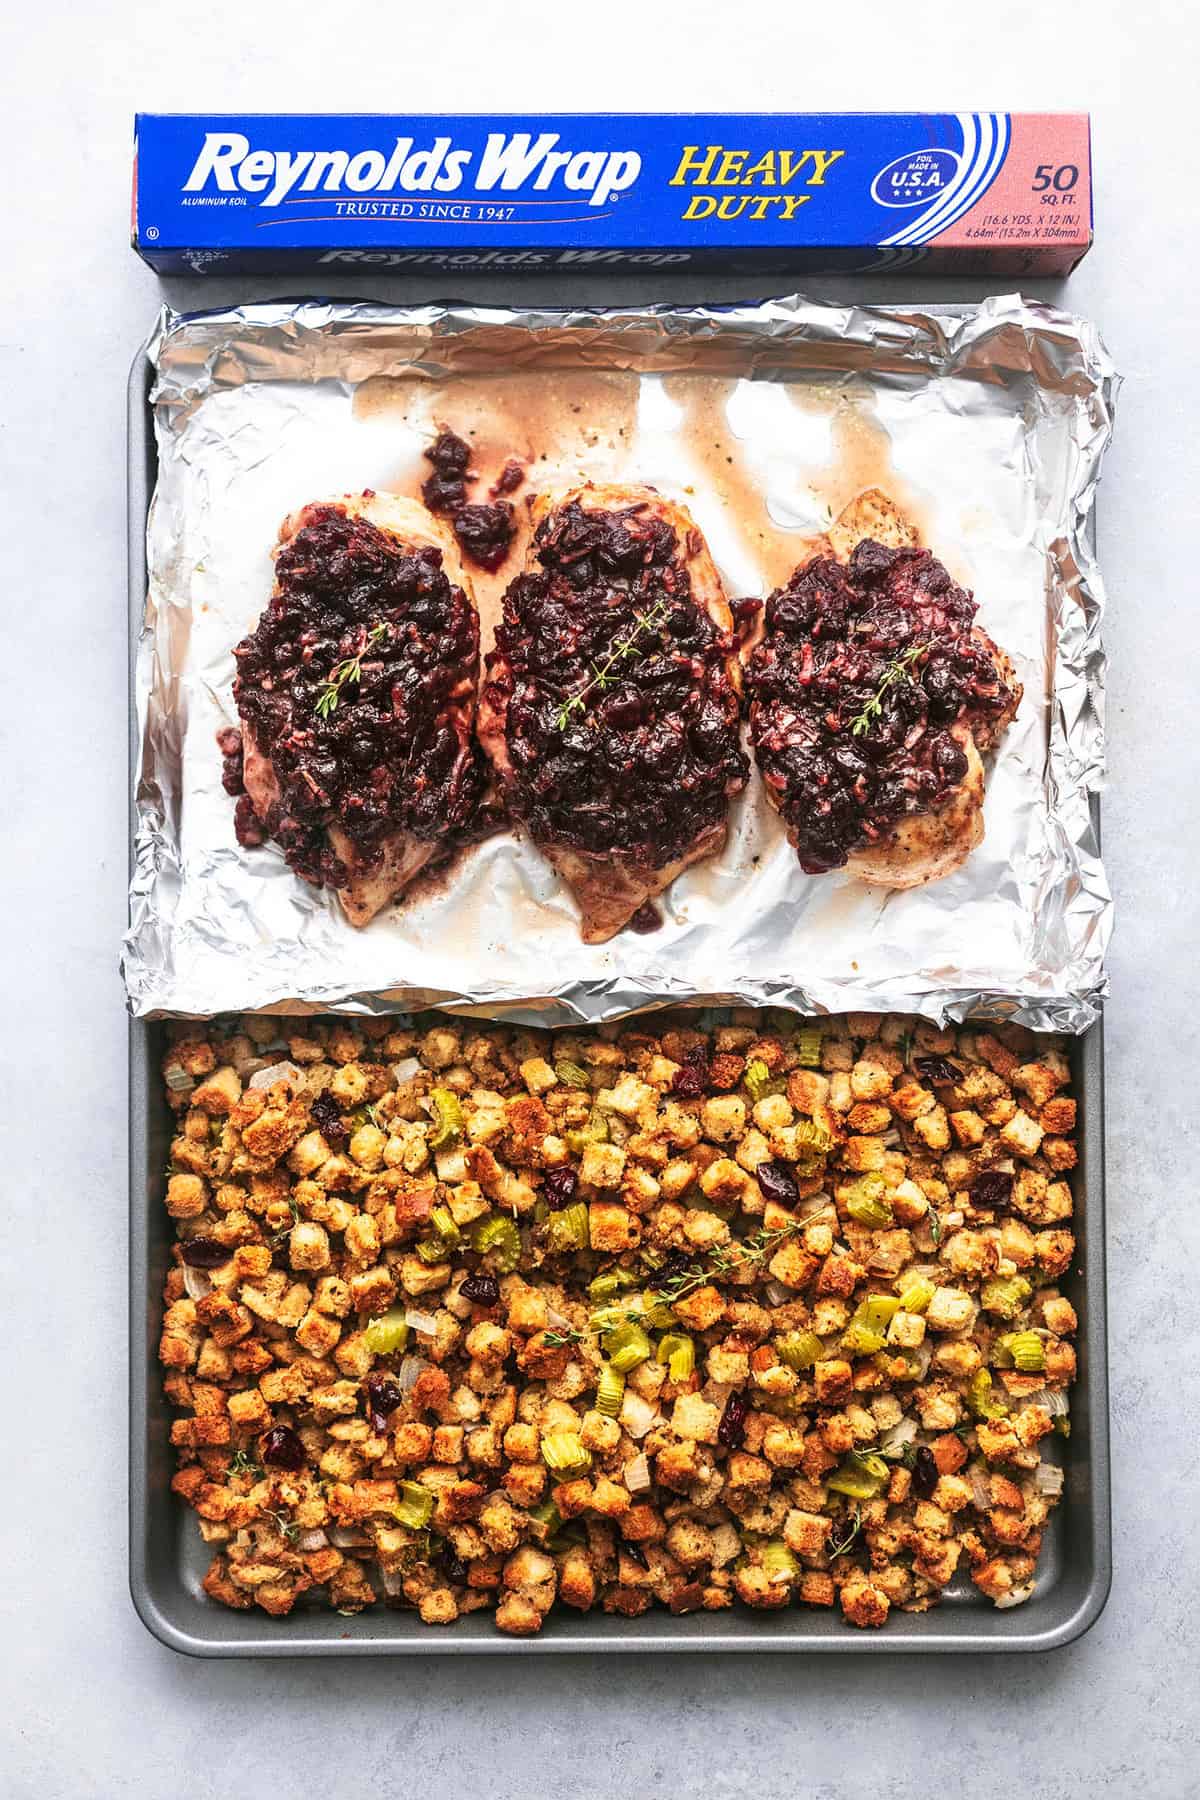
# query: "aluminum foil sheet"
987,424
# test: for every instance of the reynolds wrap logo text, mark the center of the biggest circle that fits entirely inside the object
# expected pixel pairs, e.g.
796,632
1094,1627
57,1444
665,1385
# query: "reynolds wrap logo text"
507,163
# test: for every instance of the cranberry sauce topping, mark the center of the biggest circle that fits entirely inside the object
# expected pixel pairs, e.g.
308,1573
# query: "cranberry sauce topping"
509,479
357,684
484,533
863,670
622,724
229,743
446,489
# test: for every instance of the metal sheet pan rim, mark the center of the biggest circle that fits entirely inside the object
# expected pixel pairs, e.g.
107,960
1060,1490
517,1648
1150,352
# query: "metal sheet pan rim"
163,1605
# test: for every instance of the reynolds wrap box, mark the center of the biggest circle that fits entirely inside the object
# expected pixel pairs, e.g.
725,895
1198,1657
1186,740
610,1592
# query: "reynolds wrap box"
1004,193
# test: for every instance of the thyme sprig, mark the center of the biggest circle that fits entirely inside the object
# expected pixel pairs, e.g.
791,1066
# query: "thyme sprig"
346,674
725,1260
557,1340
619,651
897,669
240,1463
843,1544
287,1528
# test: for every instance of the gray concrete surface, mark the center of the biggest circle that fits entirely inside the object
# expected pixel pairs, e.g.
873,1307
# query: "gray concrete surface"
91,1706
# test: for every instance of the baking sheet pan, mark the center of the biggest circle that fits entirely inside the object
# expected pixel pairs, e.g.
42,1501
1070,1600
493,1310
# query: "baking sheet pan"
168,1558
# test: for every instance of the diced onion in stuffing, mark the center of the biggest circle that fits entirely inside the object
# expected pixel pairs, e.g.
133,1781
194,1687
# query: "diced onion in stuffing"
981,1492
1051,1400
405,1070
178,1079
280,1071
197,1282
776,1294
393,1582
637,1474
425,1323
1048,1479
888,1258
345,1537
637,1415
894,1441
1017,1597
410,1369
451,1164
311,1540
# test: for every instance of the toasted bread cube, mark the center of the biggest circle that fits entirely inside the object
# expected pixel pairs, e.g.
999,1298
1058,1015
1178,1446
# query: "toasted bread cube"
612,1226
724,1118
602,1166
695,1419
1022,1134
949,1310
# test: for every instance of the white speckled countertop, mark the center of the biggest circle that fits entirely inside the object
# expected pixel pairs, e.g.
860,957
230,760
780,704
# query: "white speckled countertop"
92,1705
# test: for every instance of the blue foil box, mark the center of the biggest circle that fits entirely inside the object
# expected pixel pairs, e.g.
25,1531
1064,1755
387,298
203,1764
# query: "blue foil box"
262,192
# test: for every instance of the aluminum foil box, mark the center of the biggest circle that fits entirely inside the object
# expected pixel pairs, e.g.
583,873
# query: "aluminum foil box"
1003,193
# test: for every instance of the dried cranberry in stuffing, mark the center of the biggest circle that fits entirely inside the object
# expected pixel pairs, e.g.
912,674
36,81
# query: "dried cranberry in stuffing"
937,1070
282,1449
777,1183
383,1397
204,1253
992,1190
560,1186
732,1428
694,1075
925,1473
327,1117
674,1264
452,1567
483,1289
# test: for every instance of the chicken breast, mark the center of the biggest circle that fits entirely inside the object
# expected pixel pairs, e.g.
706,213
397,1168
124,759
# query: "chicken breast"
611,704
356,695
873,698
